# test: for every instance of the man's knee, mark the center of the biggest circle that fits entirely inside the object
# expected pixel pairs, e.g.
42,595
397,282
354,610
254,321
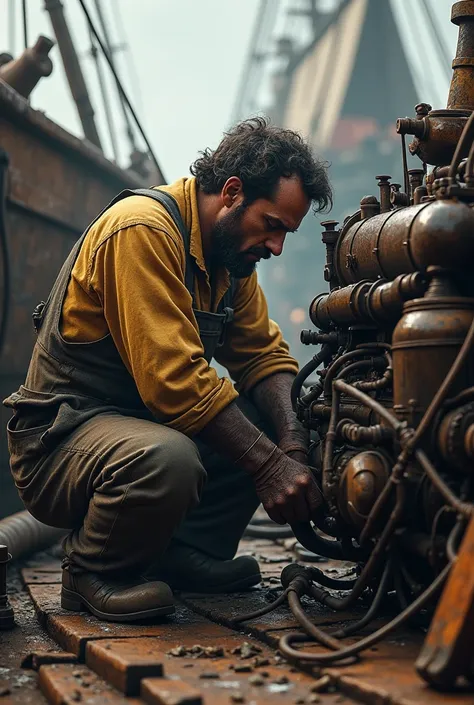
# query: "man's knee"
175,468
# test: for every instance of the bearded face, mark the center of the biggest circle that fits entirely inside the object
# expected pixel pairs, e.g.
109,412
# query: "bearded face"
227,237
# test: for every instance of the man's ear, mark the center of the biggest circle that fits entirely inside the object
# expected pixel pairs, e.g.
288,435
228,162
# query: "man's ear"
232,192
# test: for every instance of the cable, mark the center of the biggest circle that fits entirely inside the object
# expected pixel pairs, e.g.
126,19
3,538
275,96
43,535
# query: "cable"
454,539
316,543
110,53
318,634
25,23
373,609
264,610
4,251
466,136
285,643
122,90
105,97
464,508
333,583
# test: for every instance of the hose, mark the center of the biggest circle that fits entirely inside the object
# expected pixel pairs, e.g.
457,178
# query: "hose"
285,644
264,610
23,534
316,543
306,370
271,533
373,609
299,614
371,565
464,508
453,540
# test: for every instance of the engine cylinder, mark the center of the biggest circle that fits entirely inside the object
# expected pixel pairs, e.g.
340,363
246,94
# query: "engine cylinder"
425,344
405,240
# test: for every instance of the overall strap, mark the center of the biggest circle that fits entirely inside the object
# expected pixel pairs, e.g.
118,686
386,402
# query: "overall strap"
169,203
226,303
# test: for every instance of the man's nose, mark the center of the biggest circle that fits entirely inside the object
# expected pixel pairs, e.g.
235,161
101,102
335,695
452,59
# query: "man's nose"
275,243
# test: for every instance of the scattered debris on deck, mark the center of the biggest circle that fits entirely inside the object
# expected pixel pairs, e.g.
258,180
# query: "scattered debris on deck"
202,655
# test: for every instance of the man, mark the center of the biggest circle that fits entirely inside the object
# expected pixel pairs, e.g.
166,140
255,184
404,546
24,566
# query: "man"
122,419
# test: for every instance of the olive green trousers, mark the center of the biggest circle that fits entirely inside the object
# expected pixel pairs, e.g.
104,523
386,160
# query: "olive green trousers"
125,486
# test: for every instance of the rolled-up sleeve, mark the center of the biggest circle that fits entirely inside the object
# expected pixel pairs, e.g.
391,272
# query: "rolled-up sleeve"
139,281
254,347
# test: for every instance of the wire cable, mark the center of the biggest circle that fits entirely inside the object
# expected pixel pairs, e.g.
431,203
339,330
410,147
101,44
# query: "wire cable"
25,23
110,52
285,643
264,610
4,251
122,90
105,98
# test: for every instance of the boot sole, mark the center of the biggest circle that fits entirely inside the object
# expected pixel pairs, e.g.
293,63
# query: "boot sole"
74,602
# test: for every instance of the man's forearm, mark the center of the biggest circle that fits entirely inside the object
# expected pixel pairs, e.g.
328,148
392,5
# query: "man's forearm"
272,398
232,434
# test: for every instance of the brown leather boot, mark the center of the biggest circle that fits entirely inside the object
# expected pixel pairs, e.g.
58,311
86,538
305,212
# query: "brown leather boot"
115,601
186,568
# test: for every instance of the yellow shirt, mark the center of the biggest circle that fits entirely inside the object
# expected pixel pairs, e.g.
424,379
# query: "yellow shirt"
128,280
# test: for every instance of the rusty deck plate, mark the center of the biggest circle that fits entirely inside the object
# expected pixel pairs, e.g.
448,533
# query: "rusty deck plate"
201,647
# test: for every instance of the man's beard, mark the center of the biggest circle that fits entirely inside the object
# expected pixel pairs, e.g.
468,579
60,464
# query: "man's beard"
226,239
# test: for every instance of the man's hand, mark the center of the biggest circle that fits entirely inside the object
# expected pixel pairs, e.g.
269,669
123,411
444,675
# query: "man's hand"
295,444
287,489
285,486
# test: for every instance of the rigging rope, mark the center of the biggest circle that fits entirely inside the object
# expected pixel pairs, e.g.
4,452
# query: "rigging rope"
121,89
25,23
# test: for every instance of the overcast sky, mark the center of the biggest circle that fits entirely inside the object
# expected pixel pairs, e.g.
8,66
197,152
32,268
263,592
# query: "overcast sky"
187,55
184,64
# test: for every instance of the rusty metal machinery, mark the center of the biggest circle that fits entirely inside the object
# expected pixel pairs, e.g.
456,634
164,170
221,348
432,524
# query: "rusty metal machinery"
393,404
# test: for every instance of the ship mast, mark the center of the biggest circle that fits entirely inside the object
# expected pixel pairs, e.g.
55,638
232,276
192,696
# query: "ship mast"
73,70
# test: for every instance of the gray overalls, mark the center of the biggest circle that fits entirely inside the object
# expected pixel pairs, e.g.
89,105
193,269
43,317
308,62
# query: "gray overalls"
86,454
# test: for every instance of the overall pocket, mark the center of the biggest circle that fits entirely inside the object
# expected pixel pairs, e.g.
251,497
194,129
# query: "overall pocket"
26,449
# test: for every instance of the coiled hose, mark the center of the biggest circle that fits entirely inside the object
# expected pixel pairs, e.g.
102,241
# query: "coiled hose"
23,534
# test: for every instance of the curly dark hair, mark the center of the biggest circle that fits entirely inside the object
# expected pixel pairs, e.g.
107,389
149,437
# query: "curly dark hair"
260,154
